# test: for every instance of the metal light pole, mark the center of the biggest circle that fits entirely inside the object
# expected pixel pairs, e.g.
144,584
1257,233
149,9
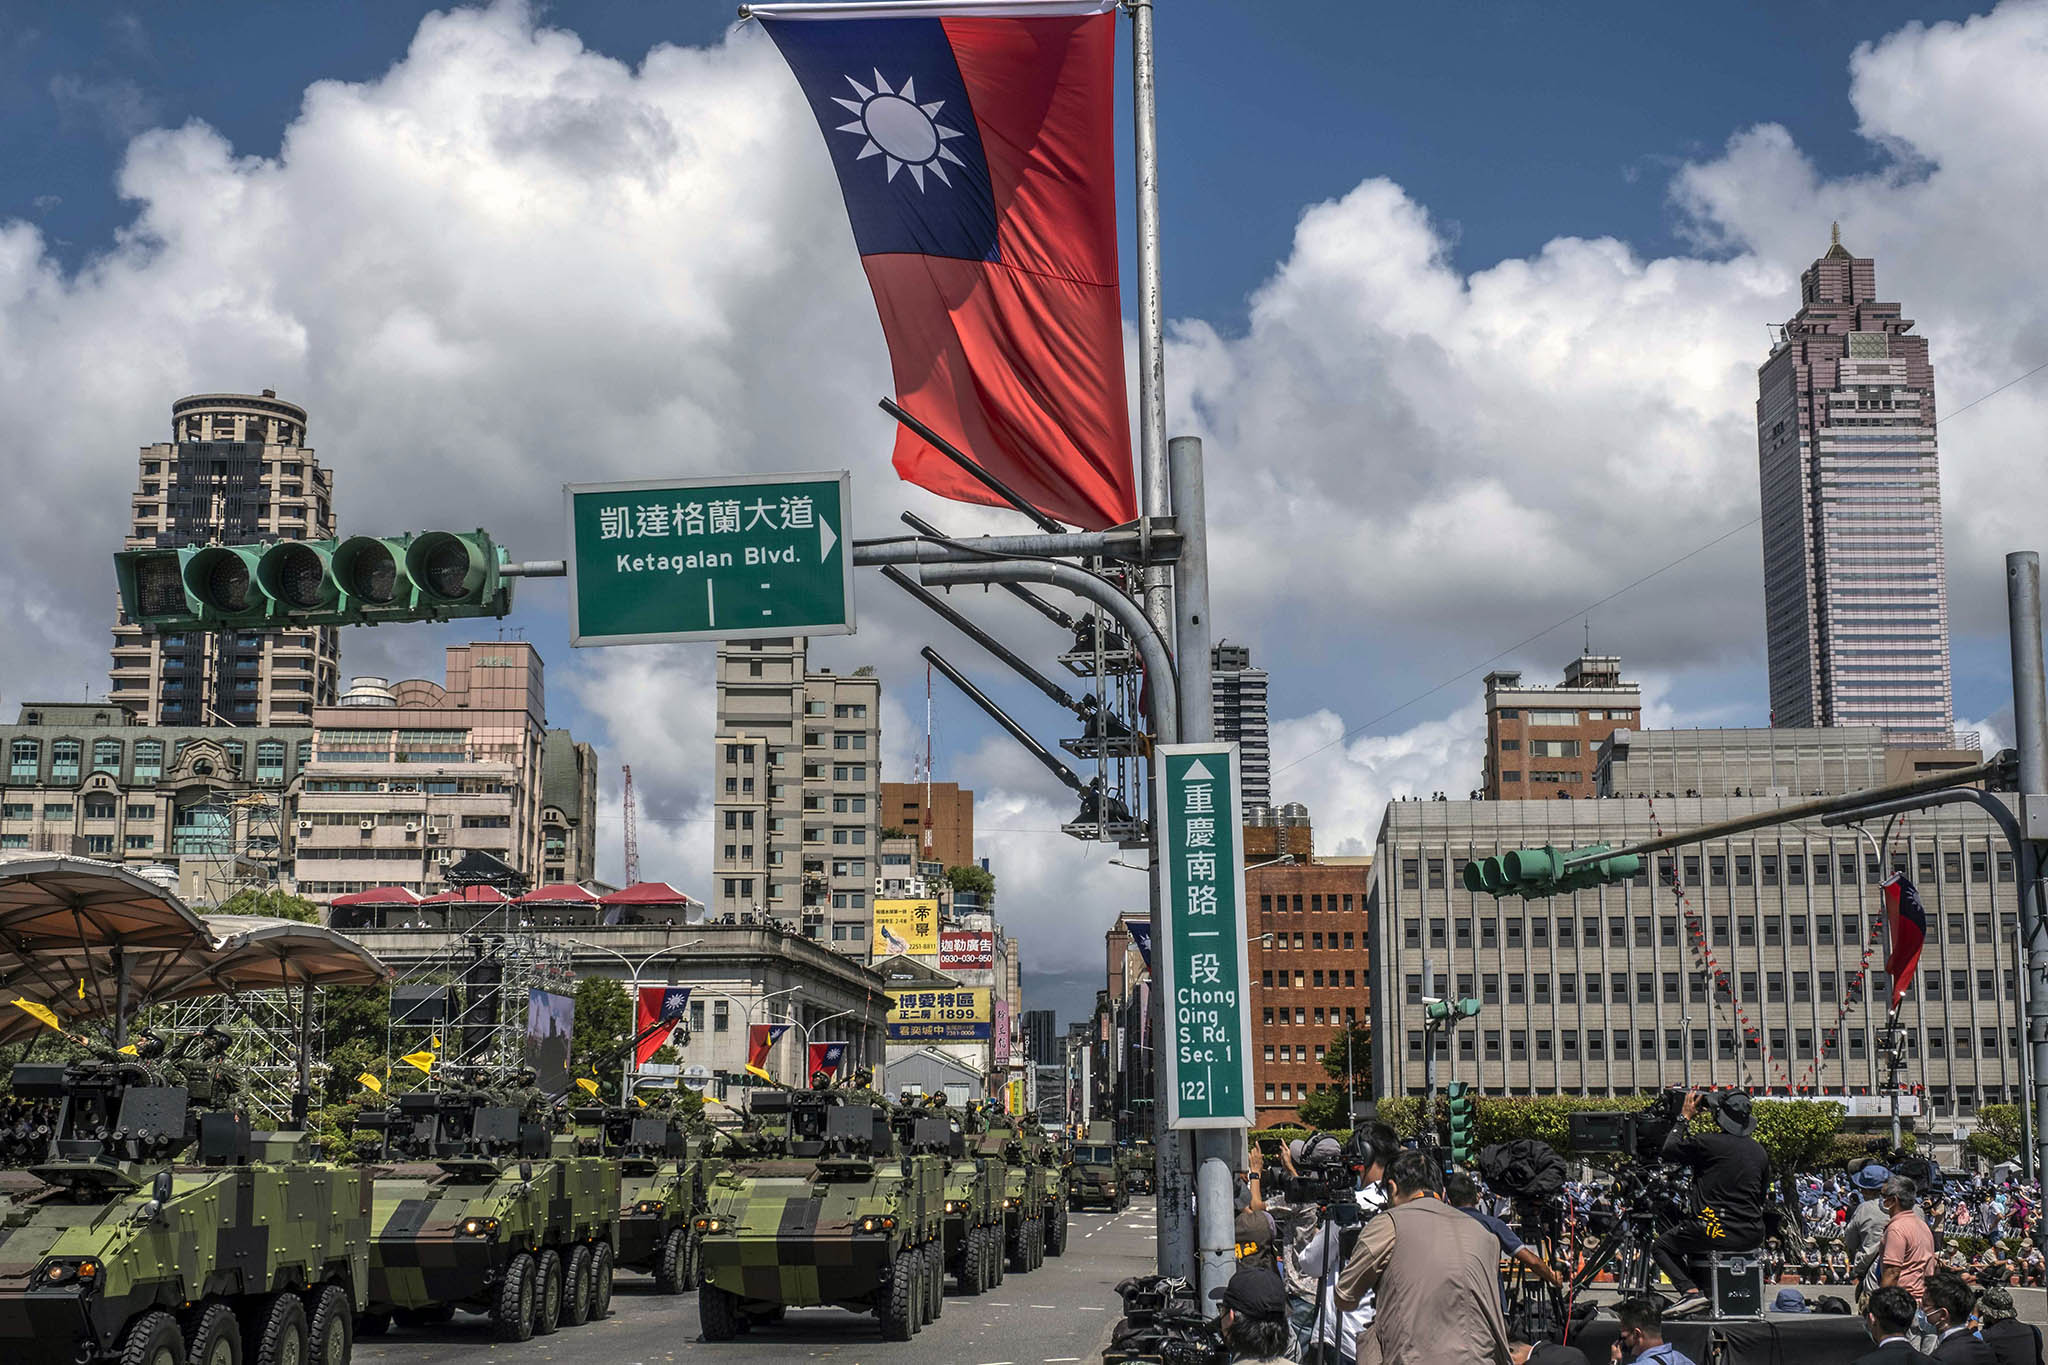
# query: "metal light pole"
747,1007
2030,726
632,1067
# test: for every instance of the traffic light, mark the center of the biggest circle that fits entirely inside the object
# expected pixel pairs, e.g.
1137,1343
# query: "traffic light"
1467,1008
1464,1121
1436,1011
363,580
1536,872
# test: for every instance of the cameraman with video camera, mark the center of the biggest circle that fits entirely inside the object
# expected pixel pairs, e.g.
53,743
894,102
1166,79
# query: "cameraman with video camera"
1730,1190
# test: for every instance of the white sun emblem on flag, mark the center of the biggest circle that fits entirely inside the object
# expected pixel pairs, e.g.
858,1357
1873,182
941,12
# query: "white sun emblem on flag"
897,128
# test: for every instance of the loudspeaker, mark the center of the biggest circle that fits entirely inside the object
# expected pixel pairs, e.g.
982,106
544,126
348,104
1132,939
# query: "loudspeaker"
422,1004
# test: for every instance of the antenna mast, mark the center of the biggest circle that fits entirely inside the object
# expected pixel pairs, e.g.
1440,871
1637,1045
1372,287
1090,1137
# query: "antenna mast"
927,757
632,830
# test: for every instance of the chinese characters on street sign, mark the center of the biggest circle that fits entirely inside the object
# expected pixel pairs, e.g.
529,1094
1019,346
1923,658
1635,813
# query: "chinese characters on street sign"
1200,951
733,558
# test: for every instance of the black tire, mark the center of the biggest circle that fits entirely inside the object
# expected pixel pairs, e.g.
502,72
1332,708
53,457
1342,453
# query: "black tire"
512,1305
895,1307
968,1277
576,1287
280,1331
1056,1232
672,1263
153,1339
601,1269
935,1300
694,1260
1037,1244
330,1329
547,1293
718,1312
212,1336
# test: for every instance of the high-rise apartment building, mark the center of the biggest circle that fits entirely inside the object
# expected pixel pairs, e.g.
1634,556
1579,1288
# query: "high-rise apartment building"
236,469
1540,741
1855,586
797,762
939,815
1239,709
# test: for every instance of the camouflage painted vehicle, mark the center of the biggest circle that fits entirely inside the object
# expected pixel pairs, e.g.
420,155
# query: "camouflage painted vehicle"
973,1211
1034,1192
1099,1177
1141,1168
485,1212
151,1234
662,1181
832,1207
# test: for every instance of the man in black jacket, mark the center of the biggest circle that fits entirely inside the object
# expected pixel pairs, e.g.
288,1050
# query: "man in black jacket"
1948,1303
1731,1186
1888,1317
2012,1342
1523,1351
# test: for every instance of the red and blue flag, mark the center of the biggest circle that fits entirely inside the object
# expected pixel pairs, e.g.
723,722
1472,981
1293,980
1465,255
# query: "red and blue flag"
658,1006
1905,927
974,144
826,1057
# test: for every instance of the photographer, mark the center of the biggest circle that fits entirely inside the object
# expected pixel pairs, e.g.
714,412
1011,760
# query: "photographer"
1731,1187
1437,1274
1463,1193
1334,1332
1254,1319
1293,1201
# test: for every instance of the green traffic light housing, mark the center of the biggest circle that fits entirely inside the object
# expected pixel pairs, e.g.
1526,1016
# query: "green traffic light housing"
1532,873
1464,1117
1468,1008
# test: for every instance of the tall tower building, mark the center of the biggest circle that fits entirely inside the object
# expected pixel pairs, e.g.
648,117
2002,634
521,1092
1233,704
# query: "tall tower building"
1239,709
1855,583
798,766
236,469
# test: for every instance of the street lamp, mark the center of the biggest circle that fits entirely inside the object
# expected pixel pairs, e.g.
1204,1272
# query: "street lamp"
632,1068
814,1024
747,1007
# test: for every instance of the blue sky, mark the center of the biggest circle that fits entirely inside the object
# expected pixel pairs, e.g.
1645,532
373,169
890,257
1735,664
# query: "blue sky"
1511,140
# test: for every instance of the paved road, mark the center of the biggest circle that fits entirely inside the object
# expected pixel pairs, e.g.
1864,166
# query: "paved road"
1058,1314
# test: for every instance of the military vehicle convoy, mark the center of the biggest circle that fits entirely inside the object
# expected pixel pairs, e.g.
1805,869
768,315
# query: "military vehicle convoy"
480,1209
159,1235
974,1212
662,1178
1100,1172
1034,1192
831,1206
1142,1167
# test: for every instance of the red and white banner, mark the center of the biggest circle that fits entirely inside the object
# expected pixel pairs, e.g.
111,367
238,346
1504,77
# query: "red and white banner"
966,950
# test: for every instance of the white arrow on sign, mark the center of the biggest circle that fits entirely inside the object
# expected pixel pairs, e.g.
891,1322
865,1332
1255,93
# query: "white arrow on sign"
826,539
1197,773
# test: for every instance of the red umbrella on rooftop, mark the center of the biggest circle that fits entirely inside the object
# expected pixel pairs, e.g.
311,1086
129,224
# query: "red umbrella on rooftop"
558,893
376,895
469,895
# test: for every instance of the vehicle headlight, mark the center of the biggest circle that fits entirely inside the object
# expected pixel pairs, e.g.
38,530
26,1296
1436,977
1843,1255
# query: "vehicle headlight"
954,1206
646,1206
1009,1203
478,1227
878,1223
710,1224
63,1272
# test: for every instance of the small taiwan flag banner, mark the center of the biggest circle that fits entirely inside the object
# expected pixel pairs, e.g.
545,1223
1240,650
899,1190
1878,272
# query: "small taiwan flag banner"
657,1005
826,1057
975,148
760,1038
1905,927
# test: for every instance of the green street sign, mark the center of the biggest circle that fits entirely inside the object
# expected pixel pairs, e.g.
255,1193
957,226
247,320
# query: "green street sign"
1201,950
732,558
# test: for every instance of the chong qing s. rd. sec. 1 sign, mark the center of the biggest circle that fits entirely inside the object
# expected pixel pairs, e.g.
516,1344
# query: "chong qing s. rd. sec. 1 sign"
738,558
1201,948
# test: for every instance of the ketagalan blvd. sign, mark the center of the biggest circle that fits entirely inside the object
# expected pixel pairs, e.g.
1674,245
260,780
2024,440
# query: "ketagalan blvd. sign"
1200,956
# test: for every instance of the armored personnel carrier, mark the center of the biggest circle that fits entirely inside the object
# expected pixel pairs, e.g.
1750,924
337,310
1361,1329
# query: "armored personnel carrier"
1141,1167
973,1209
661,1190
479,1209
1099,1171
830,1207
157,1234
1034,1192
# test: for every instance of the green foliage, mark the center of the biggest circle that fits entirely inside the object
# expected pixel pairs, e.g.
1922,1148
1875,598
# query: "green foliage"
347,1063
666,1054
971,878
1997,1135
270,901
1323,1109
1797,1133
604,1021
1350,1053
888,832
356,1014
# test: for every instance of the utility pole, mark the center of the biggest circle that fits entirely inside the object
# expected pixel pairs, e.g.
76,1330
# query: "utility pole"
2030,726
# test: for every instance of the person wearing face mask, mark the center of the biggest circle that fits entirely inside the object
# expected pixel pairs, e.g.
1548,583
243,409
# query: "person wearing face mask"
1642,1335
1906,1256
1947,1305
1888,1317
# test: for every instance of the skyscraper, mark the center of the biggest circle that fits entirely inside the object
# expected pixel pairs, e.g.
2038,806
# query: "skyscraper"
236,469
1855,588
1239,708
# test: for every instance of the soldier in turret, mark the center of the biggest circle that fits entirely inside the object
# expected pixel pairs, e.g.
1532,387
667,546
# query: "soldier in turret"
525,1095
821,1081
864,1091
208,1079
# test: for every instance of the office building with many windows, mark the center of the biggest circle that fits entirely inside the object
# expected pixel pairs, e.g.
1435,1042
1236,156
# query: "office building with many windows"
1855,585
1540,741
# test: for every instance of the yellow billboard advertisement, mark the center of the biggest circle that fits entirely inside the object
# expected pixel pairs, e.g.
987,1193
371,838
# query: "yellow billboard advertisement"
956,1014
907,927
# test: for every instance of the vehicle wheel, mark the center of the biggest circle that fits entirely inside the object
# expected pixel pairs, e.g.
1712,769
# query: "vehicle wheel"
895,1308
330,1338
672,1263
576,1287
280,1331
372,1324
153,1339
969,1277
601,1268
512,1308
718,1312
213,1337
935,1253
1056,1232
693,1259
547,1293
1037,1244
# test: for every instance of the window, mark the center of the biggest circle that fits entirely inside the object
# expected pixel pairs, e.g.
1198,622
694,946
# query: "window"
1411,874
1516,988
1980,866
1671,987
106,755
1717,870
24,758
1774,930
721,1016
1542,994
1770,869
1744,873
270,760
101,807
1518,1044
1951,867
1642,931
1553,717
1795,875
1514,929
1461,933
1436,877
139,841
1667,931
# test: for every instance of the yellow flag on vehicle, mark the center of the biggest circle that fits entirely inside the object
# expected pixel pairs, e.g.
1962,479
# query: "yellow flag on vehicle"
423,1060
35,1011
371,1082
587,1084
131,1050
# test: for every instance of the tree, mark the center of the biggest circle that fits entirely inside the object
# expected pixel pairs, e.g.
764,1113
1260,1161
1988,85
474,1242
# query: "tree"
971,878
1350,1056
1997,1135
271,902
889,832
1324,1109
604,1020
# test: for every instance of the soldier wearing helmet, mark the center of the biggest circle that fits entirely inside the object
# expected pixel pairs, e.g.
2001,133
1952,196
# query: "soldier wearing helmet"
821,1080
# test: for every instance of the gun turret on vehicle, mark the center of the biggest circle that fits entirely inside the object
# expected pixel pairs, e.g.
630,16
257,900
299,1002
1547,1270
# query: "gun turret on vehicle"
480,1207
1034,1191
974,1207
662,1179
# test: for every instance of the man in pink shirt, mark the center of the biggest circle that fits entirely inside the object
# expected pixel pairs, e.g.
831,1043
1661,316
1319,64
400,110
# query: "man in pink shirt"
1907,1254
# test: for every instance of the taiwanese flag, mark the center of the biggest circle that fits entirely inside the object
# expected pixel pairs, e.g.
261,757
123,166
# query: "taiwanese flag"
825,1057
1905,927
657,1006
760,1038
975,150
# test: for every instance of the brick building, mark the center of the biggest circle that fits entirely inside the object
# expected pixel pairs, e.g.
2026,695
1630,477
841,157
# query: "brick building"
944,828
1540,741
1310,977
